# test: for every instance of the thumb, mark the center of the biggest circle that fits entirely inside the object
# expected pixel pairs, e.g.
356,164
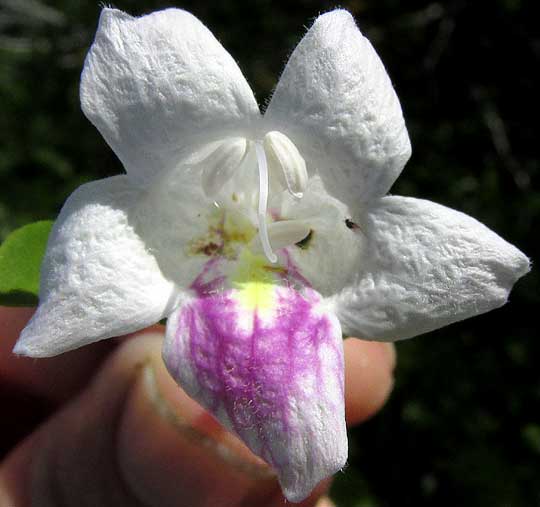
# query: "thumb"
133,438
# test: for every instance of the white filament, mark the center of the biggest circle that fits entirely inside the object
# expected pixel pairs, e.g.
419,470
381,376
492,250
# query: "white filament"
263,202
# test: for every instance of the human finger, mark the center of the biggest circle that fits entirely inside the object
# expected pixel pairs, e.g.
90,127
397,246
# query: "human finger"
54,379
369,378
116,444
133,434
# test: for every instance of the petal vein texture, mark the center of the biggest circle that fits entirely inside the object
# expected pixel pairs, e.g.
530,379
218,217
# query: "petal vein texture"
97,279
156,86
335,101
426,266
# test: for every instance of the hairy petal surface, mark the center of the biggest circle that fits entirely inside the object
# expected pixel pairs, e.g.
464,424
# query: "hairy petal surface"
425,266
267,361
97,279
335,101
154,85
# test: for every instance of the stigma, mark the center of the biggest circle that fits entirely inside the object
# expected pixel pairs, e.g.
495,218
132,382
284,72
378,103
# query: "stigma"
279,165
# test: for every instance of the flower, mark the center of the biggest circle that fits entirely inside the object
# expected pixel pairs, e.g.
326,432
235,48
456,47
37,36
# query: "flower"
262,238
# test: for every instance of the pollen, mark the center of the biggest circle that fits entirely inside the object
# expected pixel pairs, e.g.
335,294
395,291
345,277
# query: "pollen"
228,232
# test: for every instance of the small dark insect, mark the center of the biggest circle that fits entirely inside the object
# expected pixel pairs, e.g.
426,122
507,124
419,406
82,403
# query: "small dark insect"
350,224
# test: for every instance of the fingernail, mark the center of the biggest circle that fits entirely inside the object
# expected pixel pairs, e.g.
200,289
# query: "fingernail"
196,424
171,451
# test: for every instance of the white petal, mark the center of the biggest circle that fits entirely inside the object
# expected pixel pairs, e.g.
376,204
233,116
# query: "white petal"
182,227
426,266
155,85
336,103
97,279
332,252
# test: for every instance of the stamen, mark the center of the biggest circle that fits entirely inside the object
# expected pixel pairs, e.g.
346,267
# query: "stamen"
284,233
285,163
263,202
220,164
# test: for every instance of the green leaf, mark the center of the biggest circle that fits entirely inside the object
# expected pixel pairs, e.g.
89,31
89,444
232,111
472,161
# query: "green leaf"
20,260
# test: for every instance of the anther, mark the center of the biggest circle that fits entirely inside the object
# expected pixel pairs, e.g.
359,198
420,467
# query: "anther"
221,163
285,233
286,163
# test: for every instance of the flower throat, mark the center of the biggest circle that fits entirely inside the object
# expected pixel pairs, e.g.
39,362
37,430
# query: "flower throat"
277,158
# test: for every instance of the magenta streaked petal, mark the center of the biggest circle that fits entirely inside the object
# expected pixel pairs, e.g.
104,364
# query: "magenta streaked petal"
273,374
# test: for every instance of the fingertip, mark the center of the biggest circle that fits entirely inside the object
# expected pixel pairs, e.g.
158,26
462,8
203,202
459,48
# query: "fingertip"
369,377
325,502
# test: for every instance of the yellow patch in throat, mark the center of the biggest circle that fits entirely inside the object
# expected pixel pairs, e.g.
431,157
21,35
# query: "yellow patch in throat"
255,281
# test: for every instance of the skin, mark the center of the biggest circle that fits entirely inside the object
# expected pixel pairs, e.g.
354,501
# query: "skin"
117,431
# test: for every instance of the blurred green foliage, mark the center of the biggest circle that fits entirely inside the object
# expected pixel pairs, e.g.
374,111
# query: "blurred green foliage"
462,427
20,259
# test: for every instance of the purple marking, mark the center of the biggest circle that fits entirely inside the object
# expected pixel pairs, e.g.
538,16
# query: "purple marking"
264,378
210,280
293,273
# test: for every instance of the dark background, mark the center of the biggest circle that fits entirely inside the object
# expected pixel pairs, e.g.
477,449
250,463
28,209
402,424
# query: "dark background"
462,427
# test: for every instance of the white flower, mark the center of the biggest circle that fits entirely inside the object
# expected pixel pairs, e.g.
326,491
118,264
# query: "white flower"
261,237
